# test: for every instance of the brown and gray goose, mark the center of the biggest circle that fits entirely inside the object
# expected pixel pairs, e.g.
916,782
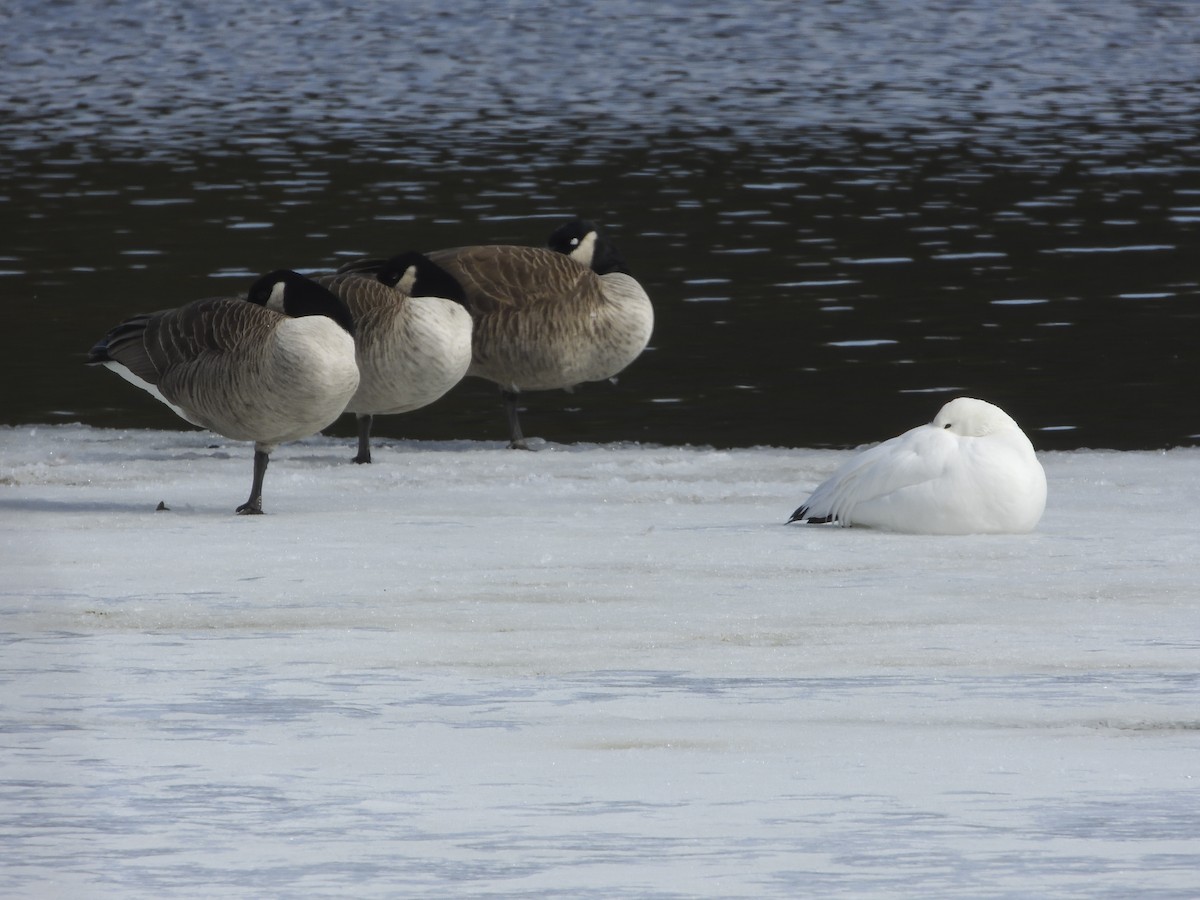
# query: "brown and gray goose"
412,335
275,366
548,318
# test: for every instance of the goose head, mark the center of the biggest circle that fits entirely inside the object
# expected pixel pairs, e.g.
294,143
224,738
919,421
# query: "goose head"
418,276
290,293
968,417
583,242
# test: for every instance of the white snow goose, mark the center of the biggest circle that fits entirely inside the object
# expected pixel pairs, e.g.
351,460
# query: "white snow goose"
971,470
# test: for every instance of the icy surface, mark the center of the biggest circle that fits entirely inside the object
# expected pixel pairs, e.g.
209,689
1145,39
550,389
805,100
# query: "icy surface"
586,671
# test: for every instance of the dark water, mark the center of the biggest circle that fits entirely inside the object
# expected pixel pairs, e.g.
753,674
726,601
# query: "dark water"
845,212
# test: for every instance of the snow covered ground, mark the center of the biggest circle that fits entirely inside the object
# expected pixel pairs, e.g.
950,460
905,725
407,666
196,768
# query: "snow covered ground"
587,671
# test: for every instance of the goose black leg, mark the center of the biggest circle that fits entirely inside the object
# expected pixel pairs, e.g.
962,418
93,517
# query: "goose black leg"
514,423
253,506
364,439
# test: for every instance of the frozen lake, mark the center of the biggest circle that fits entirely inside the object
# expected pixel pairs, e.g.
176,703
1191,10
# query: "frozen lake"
603,670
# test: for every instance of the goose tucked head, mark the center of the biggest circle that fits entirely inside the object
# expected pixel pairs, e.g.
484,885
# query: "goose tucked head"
582,241
418,276
290,293
969,417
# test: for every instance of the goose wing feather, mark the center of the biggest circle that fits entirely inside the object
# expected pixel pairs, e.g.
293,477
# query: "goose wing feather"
917,457
217,363
125,344
371,303
155,345
502,277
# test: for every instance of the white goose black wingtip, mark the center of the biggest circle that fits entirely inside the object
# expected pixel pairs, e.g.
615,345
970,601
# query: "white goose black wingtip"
804,516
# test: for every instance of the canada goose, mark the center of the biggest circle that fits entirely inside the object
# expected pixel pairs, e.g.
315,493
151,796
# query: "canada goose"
412,336
277,368
549,318
971,470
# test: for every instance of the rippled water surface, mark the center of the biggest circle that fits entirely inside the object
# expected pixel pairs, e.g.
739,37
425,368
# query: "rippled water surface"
844,211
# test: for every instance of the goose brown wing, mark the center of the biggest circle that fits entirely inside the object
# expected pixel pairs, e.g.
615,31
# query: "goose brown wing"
178,350
125,344
372,304
151,344
361,292
209,352
219,325
367,266
501,277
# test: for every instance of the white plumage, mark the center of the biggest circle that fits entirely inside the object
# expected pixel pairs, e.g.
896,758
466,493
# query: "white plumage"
971,470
